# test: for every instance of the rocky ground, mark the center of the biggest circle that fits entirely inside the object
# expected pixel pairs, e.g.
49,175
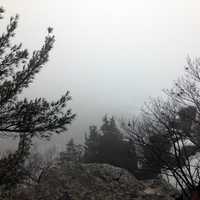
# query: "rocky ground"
98,182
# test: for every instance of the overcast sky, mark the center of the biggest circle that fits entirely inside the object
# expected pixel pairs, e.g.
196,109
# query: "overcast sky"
111,54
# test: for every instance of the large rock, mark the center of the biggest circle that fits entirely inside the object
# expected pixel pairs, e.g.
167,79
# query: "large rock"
97,182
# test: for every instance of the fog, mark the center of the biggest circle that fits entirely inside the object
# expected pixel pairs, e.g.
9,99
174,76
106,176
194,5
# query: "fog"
112,55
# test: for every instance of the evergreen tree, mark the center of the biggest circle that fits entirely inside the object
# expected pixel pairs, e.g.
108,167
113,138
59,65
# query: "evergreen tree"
73,152
109,127
23,118
108,146
92,143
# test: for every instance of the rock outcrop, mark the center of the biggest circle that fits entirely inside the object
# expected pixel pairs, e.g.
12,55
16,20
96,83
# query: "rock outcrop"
97,182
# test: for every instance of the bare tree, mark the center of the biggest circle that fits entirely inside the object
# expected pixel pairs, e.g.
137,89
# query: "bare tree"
37,164
175,119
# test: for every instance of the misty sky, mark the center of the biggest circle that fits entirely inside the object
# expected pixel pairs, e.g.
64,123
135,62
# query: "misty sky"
111,54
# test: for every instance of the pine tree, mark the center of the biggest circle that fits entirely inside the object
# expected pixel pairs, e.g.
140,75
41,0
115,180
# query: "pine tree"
92,142
23,118
107,145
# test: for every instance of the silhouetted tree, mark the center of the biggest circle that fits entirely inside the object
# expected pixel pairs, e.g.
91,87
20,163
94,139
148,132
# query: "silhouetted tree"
92,143
23,118
108,145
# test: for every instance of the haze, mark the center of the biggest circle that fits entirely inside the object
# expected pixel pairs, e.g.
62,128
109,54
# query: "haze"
111,54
